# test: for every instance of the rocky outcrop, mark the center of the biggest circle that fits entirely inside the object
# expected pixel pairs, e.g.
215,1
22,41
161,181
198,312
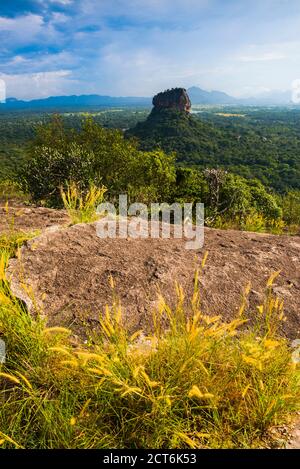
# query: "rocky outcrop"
176,98
30,218
69,272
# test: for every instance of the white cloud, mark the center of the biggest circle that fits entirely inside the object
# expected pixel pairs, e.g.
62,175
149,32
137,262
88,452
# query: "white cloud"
17,60
29,29
20,30
39,85
62,2
156,10
59,17
38,63
270,52
22,25
264,57
138,47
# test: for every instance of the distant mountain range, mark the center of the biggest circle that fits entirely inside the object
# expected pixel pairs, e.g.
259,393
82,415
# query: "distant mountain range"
197,96
70,102
270,98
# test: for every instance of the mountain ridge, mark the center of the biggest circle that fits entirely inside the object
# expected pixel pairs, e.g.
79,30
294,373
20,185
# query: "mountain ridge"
197,96
75,101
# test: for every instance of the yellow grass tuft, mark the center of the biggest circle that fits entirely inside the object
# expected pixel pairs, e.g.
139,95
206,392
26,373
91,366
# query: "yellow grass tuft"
81,205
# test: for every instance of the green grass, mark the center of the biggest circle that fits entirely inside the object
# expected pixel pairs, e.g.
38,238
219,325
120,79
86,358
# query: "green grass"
197,383
10,242
256,223
10,190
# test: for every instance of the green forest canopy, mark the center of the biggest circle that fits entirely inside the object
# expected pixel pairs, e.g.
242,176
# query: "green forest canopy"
251,142
254,144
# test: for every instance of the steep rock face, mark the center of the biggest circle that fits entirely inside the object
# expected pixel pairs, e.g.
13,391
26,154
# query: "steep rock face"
69,270
173,128
176,98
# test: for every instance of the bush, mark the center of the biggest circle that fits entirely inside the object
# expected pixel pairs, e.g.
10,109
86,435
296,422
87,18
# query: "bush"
10,189
263,202
229,199
49,168
291,207
92,155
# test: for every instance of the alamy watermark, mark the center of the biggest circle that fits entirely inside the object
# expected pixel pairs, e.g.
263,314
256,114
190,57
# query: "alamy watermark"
158,220
2,91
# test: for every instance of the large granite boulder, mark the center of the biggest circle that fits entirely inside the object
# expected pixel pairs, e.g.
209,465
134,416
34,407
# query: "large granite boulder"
69,271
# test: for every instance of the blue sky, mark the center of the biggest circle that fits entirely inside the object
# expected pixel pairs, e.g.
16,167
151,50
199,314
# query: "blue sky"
139,47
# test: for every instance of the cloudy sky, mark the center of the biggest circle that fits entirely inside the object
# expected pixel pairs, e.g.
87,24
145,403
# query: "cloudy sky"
139,47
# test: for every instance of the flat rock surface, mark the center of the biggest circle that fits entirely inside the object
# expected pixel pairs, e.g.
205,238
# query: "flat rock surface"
294,442
69,271
30,218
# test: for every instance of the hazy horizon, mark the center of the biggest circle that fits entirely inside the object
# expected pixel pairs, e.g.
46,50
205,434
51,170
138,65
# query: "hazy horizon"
138,47
144,96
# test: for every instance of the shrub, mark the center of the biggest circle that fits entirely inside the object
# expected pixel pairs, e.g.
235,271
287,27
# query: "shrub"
92,155
10,189
50,168
291,207
263,202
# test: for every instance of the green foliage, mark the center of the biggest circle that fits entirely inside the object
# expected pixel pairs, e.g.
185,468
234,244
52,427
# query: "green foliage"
227,198
264,202
250,142
243,197
92,155
152,177
290,203
11,241
253,142
11,190
75,148
252,222
191,186
176,131
50,168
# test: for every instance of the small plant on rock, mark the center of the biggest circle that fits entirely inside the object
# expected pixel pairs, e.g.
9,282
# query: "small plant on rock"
81,206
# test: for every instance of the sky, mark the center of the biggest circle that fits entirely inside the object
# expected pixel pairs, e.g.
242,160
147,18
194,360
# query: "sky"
140,47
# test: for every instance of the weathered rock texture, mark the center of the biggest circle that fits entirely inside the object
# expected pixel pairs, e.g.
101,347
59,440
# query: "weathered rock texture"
176,98
69,271
30,218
